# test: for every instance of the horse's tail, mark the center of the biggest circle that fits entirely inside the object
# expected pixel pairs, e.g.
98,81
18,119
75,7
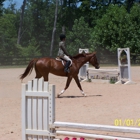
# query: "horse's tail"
29,69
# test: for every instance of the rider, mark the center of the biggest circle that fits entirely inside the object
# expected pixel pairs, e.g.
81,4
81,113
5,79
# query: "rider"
62,53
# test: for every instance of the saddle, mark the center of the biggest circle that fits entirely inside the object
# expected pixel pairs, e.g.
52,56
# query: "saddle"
63,61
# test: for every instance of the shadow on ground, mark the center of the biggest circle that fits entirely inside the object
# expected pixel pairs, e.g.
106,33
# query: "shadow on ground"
78,96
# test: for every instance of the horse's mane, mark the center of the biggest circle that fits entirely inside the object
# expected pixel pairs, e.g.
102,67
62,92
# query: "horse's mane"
79,55
82,55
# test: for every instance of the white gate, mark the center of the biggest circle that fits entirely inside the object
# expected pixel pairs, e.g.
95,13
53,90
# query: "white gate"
38,110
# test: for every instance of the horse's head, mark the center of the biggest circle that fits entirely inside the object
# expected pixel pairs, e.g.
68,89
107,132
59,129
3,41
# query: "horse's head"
93,60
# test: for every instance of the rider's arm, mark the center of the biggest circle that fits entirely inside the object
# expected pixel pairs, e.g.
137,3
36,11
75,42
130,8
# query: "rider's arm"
63,48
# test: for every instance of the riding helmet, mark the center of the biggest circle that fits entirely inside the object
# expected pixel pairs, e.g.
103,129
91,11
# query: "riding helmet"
62,36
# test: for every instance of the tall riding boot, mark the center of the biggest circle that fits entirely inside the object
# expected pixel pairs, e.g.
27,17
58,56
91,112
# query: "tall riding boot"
67,67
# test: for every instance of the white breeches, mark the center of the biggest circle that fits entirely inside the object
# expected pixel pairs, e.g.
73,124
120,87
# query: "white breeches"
67,58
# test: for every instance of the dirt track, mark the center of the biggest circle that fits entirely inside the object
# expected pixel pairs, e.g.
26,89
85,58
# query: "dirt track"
105,102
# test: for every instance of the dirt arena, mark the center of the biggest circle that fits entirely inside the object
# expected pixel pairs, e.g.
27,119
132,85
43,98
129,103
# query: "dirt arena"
105,103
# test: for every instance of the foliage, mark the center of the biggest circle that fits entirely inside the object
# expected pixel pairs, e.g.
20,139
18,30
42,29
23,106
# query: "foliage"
98,25
38,24
68,13
1,6
135,32
116,29
31,50
7,35
79,36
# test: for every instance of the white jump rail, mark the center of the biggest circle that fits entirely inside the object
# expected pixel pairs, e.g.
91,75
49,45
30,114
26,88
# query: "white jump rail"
124,69
94,72
104,71
91,136
97,128
38,117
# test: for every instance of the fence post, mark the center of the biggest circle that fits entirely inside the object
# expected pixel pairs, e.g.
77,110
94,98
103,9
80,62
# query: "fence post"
24,88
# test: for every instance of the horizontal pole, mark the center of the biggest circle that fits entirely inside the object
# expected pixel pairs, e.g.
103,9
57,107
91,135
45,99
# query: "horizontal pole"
97,127
86,135
103,70
37,93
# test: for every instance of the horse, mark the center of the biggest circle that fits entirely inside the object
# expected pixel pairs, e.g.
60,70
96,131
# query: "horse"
46,65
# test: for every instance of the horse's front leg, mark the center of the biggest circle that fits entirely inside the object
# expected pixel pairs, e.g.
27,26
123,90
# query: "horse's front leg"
67,85
79,85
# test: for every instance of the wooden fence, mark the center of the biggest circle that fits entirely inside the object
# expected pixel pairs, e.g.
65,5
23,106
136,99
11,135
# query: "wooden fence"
105,59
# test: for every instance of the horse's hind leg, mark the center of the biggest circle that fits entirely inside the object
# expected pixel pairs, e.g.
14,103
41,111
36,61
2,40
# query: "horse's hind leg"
67,85
79,85
38,75
46,78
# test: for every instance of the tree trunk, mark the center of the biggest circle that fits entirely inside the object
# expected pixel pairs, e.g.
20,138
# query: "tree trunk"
54,28
63,29
21,21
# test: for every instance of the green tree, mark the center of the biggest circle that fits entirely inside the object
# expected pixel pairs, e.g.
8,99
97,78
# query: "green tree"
8,35
68,13
79,36
21,21
1,6
135,32
129,4
30,50
114,30
38,24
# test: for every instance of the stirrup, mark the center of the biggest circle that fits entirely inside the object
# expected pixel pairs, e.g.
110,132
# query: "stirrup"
67,70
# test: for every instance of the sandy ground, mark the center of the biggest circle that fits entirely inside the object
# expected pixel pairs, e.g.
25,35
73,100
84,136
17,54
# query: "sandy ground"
104,104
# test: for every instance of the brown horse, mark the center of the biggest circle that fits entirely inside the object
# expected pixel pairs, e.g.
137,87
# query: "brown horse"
44,66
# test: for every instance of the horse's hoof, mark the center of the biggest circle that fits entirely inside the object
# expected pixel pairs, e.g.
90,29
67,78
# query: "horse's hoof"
58,95
85,95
